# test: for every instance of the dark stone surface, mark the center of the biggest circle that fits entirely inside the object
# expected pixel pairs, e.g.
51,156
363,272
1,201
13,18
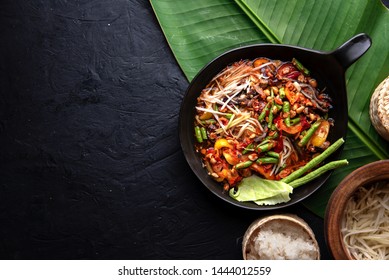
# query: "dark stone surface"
90,162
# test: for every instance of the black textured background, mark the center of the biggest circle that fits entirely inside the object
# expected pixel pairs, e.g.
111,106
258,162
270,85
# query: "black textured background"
90,161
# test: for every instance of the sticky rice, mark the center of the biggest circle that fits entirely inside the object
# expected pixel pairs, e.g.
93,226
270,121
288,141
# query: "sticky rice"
282,240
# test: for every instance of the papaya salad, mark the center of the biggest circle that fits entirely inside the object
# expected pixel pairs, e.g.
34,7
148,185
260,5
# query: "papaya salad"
262,116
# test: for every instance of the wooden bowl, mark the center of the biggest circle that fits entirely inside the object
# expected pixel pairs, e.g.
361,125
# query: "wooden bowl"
367,174
285,225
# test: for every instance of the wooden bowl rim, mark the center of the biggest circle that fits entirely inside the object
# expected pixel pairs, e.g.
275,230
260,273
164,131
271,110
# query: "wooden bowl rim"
366,174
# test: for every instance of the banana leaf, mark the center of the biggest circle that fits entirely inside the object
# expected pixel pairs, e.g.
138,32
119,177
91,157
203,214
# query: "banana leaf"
198,31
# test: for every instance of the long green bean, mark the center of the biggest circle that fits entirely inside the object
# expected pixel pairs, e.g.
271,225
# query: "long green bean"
286,110
318,172
198,134
264,112
270,118
300,67
272,135
273,154
309,134
209,121
295,121
266,160
314,162
282,93
249,148
242,165
263,142
203,133
266,147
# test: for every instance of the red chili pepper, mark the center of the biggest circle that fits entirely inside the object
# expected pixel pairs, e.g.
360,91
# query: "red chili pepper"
277,122
280,144
304,123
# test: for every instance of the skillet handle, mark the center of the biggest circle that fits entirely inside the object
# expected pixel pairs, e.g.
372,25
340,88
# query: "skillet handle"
351,50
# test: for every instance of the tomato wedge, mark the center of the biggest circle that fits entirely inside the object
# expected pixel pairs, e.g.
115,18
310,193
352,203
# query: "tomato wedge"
292,96
294,129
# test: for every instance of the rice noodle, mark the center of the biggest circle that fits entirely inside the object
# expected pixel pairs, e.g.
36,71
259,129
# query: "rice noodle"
365,226
284,154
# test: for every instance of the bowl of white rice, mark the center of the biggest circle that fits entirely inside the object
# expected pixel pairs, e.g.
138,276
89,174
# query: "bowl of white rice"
280,237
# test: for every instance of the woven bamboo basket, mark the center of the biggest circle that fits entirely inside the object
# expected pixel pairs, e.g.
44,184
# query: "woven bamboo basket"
379,109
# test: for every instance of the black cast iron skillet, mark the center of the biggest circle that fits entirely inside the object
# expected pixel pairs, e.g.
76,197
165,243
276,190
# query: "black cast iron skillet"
327,67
